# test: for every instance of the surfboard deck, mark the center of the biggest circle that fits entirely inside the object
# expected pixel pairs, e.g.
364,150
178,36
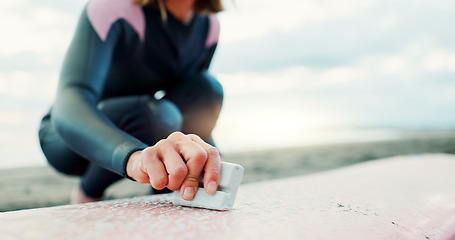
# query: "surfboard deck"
404,197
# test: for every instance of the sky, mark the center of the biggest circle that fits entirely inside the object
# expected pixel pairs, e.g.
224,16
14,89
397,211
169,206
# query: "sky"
294,71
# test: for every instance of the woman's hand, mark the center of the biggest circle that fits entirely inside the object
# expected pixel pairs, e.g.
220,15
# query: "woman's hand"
176,163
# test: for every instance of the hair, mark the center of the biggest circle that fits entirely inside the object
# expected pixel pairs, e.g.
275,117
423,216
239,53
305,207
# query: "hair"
203,6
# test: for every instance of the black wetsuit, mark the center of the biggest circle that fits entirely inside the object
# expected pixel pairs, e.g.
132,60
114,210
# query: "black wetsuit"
120,56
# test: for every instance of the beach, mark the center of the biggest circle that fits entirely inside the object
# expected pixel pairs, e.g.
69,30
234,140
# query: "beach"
34,187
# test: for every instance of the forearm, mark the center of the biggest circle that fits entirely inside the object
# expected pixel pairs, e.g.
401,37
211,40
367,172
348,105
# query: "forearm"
88,132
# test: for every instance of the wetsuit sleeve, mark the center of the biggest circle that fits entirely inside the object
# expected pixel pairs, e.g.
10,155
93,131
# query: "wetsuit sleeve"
211,40
206,62
84,128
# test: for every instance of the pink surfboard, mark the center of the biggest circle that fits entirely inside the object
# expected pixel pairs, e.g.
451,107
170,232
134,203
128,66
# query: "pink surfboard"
407,197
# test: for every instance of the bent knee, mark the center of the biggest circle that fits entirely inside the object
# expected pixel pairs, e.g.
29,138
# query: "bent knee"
57,153
214,89
168,116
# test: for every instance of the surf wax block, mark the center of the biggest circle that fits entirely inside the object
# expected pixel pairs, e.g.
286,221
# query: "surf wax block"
223,199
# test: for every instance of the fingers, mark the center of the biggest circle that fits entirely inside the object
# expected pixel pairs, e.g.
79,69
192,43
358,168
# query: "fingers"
164,163
199,156
154,168
163,166
212,168
173,164
195,157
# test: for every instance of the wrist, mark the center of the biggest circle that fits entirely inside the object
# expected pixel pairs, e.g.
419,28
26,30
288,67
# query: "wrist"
131,164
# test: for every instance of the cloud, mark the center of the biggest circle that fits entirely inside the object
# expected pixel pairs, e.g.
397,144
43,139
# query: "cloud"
290,79
256,18
28,93
411,86
368,28
410,64
38,28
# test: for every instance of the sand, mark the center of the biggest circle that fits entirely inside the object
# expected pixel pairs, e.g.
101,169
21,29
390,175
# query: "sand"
34,187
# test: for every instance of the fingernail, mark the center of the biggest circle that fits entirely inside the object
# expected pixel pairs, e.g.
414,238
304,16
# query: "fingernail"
211,187
188,193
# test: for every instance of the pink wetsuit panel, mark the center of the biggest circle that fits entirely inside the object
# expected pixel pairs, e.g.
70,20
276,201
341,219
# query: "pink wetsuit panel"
214,30
103,13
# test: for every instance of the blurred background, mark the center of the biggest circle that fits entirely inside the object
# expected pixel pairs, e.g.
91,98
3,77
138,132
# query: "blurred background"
309,72
296,73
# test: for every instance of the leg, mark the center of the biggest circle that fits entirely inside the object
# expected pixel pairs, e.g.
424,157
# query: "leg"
199,98
66,161
57,153
141,116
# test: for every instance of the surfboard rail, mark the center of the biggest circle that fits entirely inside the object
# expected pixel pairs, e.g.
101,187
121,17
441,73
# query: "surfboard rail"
403,197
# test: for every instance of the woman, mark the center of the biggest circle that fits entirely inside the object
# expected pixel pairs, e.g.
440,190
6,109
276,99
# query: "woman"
106,124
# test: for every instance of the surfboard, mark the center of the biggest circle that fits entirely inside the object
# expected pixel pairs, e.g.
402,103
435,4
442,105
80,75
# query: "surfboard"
403,197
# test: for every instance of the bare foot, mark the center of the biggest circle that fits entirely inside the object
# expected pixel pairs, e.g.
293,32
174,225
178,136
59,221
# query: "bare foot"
78,196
